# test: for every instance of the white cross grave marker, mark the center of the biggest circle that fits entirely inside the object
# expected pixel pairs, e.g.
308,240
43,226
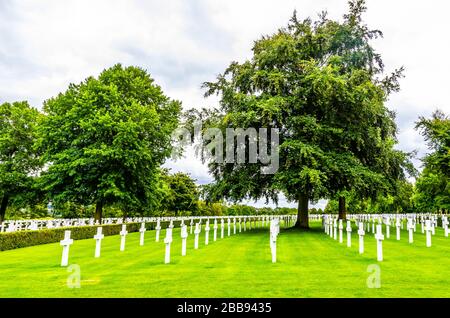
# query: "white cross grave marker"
379,237
341,227
388,227
335,229
349,234
196,233
361,237
34,226
445,225
158,229
229,228
65,243
330,227
123,235
410,228
221,228
274,230
207,232
168,241
428,229
215,229
98,241
184,235
142,231
397,226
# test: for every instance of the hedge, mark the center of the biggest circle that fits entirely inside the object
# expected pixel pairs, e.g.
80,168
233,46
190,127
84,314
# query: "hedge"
13,240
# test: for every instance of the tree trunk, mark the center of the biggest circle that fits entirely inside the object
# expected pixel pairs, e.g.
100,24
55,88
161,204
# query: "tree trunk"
302,212
98,211
3,207
342,209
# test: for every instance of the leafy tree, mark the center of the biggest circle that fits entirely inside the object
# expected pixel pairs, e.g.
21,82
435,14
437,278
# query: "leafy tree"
401,202
321,84
432,191
211,208
105,139
183,194
19,161
240,209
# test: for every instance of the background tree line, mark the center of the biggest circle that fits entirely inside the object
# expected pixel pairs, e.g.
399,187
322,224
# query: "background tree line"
96,150
431,190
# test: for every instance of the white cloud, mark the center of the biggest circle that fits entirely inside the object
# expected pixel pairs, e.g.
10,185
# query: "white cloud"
48,44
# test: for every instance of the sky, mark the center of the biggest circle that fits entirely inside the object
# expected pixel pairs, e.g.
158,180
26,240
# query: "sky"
45,45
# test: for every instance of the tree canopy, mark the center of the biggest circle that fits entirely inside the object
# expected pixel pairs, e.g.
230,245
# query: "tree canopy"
183,194
105,139
432,190
323,86
19,161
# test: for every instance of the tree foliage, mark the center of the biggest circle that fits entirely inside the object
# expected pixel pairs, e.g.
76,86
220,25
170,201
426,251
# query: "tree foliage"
323,86
19,161
400,202
183,193
105,139
432,190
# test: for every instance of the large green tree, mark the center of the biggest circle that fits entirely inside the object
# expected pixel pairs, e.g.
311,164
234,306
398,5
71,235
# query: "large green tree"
19,162
183,193
432,191
106,138
400,202
322,85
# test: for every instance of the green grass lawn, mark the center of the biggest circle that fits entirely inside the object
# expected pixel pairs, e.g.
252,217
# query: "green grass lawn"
310,264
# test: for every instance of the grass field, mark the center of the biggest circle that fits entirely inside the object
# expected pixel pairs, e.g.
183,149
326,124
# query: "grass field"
310,264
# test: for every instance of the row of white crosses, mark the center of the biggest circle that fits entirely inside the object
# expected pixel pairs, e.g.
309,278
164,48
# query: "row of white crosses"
330,224
428,227
99,236
412,220
20,225
35,225
275,230
331,228
168,240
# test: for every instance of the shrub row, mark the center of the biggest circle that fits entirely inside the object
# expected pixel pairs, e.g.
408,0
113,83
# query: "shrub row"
13,240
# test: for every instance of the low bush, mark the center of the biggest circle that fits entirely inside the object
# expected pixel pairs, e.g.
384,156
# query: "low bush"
13,240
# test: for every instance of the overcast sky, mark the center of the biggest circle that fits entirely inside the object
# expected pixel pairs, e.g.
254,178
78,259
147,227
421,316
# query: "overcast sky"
45,45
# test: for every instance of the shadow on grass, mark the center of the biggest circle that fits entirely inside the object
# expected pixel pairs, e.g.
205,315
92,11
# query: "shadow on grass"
311,230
